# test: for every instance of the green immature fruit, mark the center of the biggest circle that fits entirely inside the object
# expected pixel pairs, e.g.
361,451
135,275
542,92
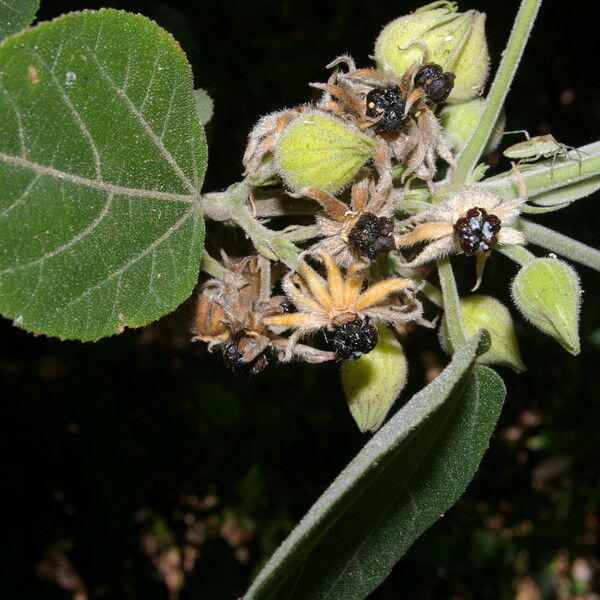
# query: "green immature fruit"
484,312
459,122
455,41
374,381
320,151
547,292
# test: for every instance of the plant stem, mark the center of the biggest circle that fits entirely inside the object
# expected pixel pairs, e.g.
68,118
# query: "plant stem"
232,204
430,291
451,304
572,179
212,266
302,233
518,254
472,152
561,244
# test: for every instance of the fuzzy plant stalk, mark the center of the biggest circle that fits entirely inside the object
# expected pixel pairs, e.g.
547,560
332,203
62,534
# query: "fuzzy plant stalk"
379,187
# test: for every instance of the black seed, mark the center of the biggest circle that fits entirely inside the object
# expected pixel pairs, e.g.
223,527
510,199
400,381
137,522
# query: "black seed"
371,235
389,103
287,307
436,84
477,231
355,338
232,357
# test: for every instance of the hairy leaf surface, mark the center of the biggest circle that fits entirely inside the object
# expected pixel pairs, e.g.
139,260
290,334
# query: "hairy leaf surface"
102,158
403,480
16,15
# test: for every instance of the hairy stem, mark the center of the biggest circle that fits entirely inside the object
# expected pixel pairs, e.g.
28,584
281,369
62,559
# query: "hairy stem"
469,157
561,244
212,266
430,291
518,254
232,205
579,175
451,304
302,233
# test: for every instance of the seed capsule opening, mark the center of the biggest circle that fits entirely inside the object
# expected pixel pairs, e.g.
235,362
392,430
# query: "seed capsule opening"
477,231
371,235
389,104
354,339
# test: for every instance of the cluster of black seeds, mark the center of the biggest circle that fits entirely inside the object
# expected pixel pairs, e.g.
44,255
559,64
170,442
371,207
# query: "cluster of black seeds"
355,338
371,235
477,231
389,104
436,84
232,357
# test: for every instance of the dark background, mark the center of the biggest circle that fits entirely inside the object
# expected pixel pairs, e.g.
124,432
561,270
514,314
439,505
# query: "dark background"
138,461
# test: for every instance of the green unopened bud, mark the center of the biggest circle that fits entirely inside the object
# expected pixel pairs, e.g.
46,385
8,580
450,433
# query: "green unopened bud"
205,105
374,381
317,150
455,41
484,312
547,292
460,121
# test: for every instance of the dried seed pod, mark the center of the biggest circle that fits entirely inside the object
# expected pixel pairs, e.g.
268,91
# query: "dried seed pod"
232,357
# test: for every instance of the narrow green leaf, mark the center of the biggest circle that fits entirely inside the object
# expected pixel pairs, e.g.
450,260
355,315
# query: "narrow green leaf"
16,15
552,176
102,157
562,197
400,483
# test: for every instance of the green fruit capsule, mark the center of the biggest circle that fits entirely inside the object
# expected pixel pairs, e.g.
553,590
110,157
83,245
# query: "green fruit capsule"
548,293
373,382
459,122
320,151
484,312
455,41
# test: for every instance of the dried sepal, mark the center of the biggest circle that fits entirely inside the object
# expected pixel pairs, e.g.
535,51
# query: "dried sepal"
361,230
470,222
396,109
231,311
339,299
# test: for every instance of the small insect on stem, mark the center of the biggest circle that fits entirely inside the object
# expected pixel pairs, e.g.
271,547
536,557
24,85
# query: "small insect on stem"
540,146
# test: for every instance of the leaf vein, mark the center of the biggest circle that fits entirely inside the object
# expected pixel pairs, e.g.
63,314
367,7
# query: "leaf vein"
144,123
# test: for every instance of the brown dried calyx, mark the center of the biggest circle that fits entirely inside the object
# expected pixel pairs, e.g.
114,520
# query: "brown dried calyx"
230,314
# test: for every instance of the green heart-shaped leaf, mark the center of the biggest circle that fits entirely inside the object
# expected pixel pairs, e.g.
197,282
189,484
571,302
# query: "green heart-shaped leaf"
15,15
102,157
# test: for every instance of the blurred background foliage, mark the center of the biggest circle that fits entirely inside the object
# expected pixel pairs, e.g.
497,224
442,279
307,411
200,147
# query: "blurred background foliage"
139,468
